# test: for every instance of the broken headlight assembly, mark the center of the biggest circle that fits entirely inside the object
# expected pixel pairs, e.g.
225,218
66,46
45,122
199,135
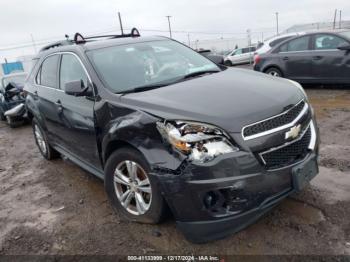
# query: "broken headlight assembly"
201,142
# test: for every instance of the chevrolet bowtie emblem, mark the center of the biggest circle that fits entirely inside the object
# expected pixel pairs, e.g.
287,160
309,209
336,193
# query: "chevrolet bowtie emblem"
293,132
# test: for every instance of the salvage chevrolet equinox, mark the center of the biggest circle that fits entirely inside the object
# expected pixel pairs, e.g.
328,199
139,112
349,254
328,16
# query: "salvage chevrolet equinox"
167,129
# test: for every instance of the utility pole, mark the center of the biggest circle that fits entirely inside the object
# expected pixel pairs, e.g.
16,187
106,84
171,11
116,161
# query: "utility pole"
168,16
188,38
339,19
34,46
277,23
335,18
120,23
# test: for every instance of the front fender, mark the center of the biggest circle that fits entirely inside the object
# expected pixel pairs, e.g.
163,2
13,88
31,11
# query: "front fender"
135,128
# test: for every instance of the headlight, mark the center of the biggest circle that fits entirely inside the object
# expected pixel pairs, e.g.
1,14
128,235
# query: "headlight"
201,142
300,88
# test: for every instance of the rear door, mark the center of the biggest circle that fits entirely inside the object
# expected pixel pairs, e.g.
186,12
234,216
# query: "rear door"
77,130
296,58
330,64
47,91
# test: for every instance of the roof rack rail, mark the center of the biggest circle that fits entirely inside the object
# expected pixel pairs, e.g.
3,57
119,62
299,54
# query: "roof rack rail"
56,44
79,39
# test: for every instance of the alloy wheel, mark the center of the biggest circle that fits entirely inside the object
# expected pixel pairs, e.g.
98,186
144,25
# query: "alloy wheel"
132,187
40,139
274,73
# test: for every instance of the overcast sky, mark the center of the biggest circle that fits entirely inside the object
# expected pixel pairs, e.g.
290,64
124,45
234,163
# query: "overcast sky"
205,19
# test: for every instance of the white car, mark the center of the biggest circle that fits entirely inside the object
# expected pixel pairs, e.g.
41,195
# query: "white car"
268,44
240,56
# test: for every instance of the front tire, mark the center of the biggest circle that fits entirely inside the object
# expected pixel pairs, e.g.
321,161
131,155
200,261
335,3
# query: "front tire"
132,192
228,63
42,142
273,71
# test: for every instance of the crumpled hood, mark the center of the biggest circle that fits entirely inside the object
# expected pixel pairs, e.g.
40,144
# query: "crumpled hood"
229,99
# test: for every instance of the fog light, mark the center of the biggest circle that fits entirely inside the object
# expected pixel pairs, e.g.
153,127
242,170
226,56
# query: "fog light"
210,199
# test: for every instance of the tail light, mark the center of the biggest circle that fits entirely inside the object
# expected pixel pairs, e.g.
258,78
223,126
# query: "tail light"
257,59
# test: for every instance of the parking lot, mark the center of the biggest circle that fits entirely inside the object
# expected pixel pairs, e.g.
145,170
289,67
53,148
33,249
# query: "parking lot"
56,207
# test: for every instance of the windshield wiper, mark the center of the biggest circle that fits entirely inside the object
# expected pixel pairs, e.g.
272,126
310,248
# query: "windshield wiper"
198,73
142,88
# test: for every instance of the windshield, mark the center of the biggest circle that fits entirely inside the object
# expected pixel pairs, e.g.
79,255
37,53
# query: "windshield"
346,34
126,67
18,80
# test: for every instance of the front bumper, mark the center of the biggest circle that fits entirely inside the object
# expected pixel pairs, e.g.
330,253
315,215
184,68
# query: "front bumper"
214,200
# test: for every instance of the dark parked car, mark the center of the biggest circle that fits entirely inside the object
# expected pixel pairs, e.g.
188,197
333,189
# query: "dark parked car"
167,128
322,57
216,58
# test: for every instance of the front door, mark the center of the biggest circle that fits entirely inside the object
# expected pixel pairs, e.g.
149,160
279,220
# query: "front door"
77,132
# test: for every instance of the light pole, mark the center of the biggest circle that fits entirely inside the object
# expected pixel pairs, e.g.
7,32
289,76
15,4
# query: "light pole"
168,16
277,22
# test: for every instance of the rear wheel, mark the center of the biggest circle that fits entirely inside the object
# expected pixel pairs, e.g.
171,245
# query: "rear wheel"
132,192
42,142
273,71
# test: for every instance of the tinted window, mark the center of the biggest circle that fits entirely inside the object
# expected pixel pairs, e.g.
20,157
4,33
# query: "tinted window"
48,76
328,42
279,40
71,70
299,44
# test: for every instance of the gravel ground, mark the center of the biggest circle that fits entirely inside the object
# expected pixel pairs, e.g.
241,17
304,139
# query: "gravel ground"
58,208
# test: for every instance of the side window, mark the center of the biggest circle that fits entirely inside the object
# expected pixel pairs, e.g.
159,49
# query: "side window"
328,42
48,71
238,52
71,70
299,44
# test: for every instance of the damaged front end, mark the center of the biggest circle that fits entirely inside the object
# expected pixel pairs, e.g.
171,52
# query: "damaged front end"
219,188
200,142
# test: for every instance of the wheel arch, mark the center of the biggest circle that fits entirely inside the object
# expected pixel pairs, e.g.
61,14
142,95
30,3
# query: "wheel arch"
114,145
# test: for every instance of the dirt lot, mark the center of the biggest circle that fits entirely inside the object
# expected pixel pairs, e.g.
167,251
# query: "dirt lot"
58,208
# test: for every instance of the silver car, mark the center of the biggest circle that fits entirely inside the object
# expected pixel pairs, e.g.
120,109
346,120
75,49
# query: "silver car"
240,56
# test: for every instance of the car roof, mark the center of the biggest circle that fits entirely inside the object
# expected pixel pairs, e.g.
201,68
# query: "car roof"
97,44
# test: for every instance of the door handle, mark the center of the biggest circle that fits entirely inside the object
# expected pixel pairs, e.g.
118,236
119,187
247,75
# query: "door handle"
285,58
318,57
59,106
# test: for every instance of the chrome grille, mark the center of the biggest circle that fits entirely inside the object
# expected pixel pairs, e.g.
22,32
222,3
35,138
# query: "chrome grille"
271,124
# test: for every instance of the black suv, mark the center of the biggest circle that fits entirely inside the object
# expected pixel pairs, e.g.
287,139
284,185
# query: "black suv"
167,128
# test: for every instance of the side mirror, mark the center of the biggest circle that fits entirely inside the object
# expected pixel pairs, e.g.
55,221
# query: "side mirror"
76,88
345,46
